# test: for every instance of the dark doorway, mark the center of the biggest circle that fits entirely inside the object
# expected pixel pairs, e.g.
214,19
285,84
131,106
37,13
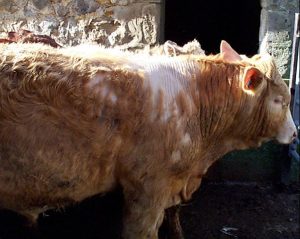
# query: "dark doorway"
210,21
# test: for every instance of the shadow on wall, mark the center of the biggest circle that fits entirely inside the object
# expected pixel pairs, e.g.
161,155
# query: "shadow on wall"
258,165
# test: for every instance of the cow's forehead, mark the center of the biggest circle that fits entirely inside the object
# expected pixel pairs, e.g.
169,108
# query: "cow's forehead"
269,68
281,88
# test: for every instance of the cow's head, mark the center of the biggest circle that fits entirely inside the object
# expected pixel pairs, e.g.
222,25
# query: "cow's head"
262,81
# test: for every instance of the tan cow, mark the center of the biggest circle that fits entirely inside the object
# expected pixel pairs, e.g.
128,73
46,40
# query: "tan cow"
79,121
170,48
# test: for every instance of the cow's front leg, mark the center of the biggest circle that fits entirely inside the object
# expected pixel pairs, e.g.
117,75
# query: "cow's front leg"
143,215
173,226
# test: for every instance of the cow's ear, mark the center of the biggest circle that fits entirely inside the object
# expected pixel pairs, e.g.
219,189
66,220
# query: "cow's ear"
252,79
228,53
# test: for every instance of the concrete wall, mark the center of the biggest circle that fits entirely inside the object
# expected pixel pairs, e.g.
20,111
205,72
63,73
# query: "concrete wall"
126,23
277,22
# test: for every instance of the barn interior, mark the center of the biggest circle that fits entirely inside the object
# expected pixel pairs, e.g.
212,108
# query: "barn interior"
211,21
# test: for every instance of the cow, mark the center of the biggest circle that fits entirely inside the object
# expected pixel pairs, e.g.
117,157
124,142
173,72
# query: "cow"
170,48
25,36
172,226
80,121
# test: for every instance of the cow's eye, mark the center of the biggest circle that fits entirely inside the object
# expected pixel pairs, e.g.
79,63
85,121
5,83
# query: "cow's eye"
278,100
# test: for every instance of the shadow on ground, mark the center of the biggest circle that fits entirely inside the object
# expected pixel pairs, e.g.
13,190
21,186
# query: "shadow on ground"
252,211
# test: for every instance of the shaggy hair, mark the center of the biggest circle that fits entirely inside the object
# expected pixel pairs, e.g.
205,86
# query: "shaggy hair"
78,121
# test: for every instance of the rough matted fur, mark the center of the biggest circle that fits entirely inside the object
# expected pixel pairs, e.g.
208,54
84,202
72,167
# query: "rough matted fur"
77,122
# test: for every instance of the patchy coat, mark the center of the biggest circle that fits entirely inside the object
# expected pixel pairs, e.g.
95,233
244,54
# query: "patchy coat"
79,121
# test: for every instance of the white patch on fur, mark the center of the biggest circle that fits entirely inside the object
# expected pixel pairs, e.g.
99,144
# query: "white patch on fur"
97,79
169,76
103,91
186,140
165,74
176,156
113,98
287,130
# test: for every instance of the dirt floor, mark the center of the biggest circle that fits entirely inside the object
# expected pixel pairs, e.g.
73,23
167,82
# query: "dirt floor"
217,211
252,211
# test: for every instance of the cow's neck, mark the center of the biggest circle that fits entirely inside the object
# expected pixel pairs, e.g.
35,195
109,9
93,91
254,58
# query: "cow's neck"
224,108
211,93
219,98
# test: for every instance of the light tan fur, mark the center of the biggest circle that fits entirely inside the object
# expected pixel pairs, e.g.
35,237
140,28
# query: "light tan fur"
79,121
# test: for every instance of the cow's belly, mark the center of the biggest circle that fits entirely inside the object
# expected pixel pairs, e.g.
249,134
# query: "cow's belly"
49,161
48,179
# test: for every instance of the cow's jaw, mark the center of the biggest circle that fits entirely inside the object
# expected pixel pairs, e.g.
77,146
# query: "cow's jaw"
288,132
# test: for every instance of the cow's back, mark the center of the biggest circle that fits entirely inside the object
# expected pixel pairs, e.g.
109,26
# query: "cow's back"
60,132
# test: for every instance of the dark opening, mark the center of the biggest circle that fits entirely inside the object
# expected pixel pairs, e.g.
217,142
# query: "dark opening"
210,21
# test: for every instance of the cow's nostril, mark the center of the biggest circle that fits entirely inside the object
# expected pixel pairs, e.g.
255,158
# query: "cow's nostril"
295,134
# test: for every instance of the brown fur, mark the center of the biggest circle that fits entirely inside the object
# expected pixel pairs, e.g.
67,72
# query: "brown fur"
64,138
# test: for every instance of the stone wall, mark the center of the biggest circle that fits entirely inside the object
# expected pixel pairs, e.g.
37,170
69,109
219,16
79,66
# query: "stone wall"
131,23
126,23
277,23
